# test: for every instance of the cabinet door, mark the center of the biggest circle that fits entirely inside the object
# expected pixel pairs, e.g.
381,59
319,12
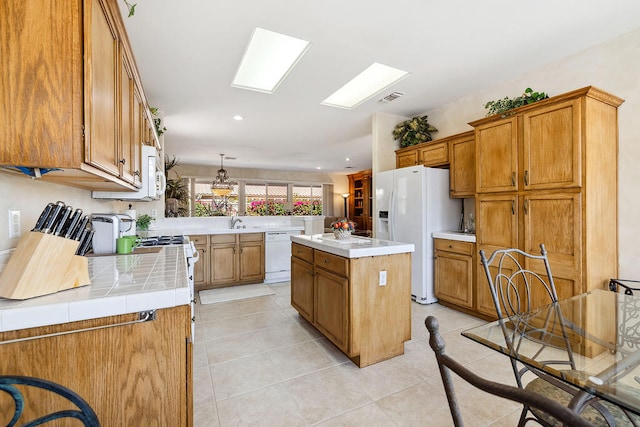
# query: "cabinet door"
223,262
251,261
462,171
101,102
453,278
555,221
201,268
302,288
551,147
435,154
408,158
126,102
332,307
138,108
496,222
497,156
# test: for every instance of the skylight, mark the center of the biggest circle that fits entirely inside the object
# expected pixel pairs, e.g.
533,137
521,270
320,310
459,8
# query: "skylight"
374,79
268,59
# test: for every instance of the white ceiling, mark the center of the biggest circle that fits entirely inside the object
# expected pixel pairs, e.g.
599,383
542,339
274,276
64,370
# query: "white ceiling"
188,51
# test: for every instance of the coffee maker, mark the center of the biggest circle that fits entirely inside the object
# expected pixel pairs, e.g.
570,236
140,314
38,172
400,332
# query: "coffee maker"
107,228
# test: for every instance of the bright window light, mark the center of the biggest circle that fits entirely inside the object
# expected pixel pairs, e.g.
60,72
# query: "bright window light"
374,79
267,60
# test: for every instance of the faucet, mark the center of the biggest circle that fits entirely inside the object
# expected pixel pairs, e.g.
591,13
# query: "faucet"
234,220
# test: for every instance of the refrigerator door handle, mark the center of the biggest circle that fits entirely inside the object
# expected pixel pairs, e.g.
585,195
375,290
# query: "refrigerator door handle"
392,215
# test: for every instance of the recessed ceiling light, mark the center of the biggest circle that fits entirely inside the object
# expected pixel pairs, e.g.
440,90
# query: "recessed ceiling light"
347,159
268,59
318,167
374,79
238,117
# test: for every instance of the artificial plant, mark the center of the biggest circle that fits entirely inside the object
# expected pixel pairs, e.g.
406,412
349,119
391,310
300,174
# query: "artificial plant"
500,106
413,131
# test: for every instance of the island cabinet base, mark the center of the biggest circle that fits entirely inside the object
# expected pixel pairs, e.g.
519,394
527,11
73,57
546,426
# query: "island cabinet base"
132,375
344,299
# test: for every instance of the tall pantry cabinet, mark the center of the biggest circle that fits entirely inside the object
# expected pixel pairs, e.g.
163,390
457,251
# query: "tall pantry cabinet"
548,174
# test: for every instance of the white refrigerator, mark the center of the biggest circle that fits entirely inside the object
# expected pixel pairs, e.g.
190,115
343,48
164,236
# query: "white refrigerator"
411,204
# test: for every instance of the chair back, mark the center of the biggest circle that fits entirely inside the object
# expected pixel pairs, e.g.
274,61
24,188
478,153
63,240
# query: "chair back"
514,288
15,386
534,400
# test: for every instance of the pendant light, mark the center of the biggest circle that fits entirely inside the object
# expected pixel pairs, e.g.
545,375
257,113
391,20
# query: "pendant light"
221,186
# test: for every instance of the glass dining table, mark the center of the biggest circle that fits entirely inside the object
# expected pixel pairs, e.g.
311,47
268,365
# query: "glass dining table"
602,329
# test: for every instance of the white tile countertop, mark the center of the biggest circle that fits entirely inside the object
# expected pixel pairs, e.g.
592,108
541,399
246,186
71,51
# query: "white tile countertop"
455,235
120,284
354,247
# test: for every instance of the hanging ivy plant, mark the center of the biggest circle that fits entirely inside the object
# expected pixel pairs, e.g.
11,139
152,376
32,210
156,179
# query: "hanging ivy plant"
131,7
413,131
505,104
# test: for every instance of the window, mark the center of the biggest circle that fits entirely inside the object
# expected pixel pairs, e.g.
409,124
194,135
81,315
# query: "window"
255,198
206,204
307,200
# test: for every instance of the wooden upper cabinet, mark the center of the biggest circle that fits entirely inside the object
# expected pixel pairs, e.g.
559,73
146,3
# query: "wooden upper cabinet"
430,154
497,156
434,154
406,158
101,104
69,105
551,146
462,165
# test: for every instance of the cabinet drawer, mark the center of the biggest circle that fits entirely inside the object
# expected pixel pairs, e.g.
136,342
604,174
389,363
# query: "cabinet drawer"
251,237
456,246
334,263
223,238
303,252
200,239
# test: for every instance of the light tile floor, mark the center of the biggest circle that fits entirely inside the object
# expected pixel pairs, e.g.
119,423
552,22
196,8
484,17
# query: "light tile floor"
257,362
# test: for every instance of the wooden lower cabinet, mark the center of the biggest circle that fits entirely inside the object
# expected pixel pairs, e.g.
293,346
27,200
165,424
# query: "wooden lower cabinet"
454,270
342,298
228,259
131,375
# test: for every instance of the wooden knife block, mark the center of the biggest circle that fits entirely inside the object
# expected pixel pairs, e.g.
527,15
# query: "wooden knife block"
43,264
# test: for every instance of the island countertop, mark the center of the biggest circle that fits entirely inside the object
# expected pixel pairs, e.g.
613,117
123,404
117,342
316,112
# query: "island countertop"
354,247
120,284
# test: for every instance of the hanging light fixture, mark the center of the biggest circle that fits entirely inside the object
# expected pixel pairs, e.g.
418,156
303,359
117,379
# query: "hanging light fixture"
221,186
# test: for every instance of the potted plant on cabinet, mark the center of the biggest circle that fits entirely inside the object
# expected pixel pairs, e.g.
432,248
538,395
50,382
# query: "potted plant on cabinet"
413,131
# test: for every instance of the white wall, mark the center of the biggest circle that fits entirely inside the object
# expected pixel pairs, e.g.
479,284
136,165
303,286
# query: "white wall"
613,67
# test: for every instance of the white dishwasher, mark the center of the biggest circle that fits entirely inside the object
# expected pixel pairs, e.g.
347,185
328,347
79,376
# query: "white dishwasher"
278,256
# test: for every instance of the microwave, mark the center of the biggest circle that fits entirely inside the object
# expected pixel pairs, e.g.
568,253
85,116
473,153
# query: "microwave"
152,177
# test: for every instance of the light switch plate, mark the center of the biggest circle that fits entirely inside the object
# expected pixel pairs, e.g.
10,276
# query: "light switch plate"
383,278
14,224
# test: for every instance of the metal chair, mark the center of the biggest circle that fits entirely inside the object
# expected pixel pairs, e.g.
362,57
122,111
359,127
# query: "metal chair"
542,404
84,413
516,291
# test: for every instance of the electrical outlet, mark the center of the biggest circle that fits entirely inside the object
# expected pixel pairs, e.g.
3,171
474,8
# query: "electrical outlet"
382,278
154,213
14,224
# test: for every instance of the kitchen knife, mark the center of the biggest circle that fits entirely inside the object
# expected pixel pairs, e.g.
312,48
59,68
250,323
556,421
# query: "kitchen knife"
51,221
85,241
73,222
77,234
61,223
43,217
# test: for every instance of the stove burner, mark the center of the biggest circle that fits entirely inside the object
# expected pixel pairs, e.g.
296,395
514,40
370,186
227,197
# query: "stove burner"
162,241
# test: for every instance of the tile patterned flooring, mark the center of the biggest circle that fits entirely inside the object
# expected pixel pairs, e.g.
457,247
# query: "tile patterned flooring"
258,363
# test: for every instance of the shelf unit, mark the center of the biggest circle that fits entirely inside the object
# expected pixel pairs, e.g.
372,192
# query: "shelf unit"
360,200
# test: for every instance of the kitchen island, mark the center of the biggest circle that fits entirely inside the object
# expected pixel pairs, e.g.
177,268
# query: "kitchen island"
356,292
123,342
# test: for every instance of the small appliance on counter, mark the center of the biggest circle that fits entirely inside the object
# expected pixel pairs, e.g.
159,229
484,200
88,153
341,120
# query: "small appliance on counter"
107,228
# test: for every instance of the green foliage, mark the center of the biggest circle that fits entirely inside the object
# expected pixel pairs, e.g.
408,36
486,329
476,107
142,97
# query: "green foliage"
413,131
502,105
175,187
143,221
131,7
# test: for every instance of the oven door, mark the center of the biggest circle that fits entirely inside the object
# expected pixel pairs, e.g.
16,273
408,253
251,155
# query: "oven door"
192,256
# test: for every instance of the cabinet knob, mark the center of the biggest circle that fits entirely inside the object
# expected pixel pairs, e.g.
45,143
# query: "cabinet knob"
136,173
123,161
326,261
